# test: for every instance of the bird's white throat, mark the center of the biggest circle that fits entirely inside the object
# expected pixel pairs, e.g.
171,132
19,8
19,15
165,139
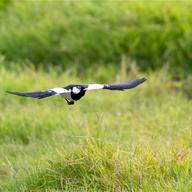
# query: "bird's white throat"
75,90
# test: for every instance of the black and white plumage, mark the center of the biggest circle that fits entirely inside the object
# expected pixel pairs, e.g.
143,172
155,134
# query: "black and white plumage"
72,93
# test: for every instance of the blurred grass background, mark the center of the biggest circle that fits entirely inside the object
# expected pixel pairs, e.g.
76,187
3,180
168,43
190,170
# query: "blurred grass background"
82,34
139,140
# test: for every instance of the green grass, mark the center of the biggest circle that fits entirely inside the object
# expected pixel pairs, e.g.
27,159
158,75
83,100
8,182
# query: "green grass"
65,33
137,140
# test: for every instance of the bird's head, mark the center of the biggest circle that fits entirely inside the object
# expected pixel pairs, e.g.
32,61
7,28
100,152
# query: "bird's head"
76,89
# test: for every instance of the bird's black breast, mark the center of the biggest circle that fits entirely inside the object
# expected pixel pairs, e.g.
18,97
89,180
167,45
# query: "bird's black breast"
78,96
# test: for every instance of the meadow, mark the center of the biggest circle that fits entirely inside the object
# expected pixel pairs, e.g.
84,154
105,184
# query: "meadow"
134,140
109,141
97,33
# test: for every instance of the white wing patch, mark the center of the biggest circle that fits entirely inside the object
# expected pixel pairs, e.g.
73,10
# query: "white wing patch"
94,86
60,90
63,93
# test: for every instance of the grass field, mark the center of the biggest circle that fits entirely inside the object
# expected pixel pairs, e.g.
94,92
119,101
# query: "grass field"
69,32
137,140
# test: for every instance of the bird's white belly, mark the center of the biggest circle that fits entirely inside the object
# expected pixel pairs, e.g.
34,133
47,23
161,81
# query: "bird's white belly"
67,96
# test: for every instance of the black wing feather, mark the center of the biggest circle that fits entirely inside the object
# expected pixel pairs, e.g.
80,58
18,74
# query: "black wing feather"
37,94
127,85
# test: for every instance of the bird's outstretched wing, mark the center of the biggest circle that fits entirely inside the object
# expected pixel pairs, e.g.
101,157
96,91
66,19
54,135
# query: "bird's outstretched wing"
127,85
40,94
121,86
37,94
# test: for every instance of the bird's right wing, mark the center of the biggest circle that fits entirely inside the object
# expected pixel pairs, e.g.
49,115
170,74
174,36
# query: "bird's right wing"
41,94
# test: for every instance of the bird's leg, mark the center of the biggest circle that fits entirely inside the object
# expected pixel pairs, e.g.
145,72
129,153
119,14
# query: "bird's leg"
70,102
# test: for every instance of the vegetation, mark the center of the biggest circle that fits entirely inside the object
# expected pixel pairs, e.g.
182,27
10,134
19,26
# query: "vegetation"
65,33
136,140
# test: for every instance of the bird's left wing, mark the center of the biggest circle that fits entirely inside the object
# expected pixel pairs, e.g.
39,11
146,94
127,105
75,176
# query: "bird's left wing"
121,86
41,94
93,86
127,85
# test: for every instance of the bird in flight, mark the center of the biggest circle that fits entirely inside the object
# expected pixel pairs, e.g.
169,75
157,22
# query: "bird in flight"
72,93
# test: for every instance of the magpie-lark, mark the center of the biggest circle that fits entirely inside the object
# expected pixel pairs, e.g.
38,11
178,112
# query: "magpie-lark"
72,93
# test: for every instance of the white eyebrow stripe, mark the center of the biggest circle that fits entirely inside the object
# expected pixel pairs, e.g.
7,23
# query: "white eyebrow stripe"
60,90
94,86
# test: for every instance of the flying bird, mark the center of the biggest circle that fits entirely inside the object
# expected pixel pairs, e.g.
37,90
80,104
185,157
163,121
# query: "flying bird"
72,93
